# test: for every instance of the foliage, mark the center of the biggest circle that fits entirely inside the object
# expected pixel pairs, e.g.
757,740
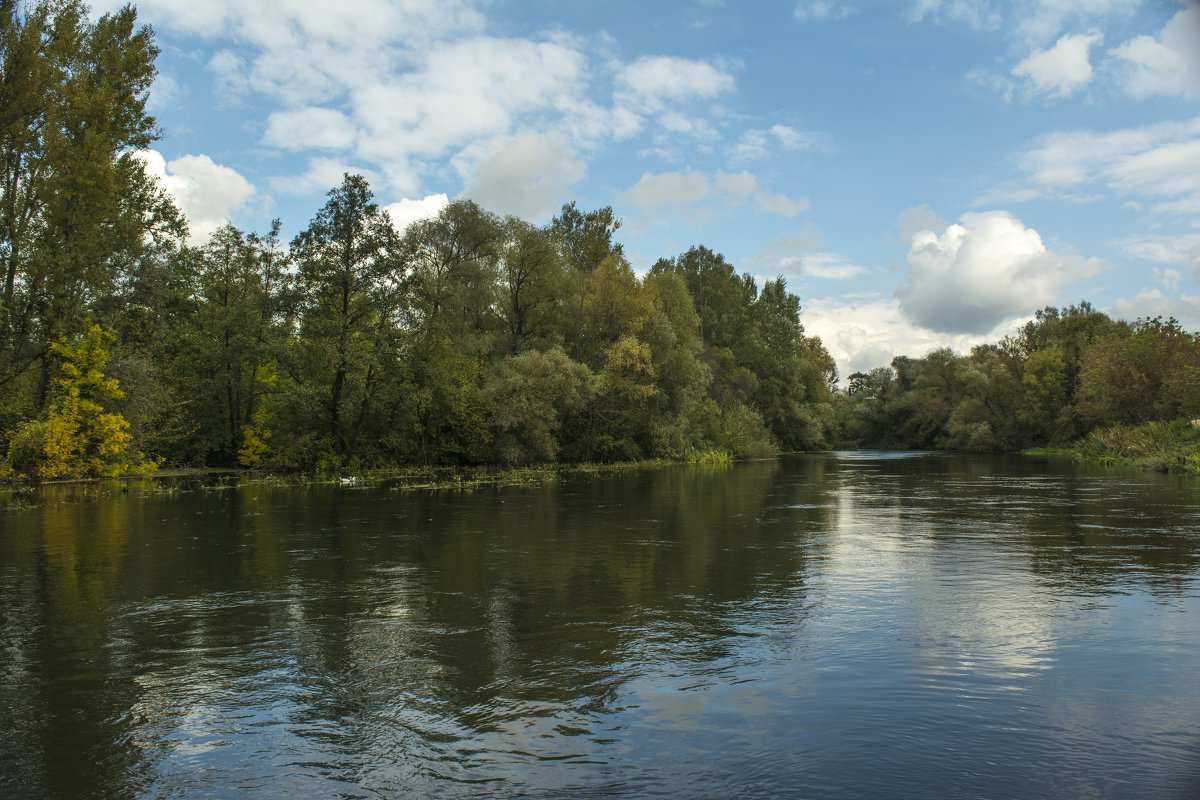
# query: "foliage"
1166,447
1067,374
78,437
77,210
528,397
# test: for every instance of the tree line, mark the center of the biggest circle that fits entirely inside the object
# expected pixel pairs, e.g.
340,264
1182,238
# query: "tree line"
468,338
1065,374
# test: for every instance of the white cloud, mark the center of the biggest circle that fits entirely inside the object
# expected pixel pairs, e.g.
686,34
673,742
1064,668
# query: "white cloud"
785,252
341,43
322,175
1042,21
870,332
307,128
822,10
1181,249
1168,64
1061,70
983,269
1149,303
917,218
206,192
1160,161
830,266
974,13
677,192
797,255
526,176
1053,38
668,189
405,212
739,187
399,85
166,92
650,82
756,144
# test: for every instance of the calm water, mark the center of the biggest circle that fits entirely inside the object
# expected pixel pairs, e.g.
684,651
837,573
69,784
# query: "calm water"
851,625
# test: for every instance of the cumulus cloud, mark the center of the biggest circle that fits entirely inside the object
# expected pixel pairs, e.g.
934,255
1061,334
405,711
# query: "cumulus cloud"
677,191
797,255
863,333
322,175
1061,70
975,14
207,193
662,190
917,218
981,270
527,176
1167,64
1042,21
406,211
401,86
1054,38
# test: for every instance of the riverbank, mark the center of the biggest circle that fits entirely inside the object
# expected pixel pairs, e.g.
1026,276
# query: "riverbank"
27,495
1160,446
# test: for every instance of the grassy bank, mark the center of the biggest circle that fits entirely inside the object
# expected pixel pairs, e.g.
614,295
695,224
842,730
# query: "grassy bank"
1161,446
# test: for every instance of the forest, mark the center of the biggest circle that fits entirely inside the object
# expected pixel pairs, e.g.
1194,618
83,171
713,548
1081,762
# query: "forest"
1068,376
467,338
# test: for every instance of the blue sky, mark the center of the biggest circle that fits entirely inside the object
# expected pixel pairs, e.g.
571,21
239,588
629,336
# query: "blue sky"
923,172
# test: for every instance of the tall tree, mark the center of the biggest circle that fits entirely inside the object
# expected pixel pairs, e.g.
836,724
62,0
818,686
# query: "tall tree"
231,339
351,286
76,206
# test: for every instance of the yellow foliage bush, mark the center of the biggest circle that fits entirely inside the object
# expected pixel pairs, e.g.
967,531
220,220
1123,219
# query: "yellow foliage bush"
79,438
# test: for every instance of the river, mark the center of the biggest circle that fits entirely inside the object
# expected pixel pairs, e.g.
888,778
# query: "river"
827,626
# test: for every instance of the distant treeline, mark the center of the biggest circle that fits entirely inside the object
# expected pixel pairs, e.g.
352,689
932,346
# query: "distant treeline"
1066,374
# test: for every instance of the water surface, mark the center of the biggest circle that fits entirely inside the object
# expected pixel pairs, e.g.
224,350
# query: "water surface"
854,624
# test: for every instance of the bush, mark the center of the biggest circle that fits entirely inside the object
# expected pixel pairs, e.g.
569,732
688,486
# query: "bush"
27,448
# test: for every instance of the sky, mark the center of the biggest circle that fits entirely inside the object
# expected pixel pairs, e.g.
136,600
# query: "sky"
924,173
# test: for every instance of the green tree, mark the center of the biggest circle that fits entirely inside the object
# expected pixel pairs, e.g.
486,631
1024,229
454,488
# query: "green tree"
529,396
351,302
76,207
586,237
452,267
230,341
532,284
1153,374
721,297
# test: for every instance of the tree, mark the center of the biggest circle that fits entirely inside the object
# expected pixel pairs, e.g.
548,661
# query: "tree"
721,297
76,207
79,437
586,237
351,300
230,342
528,397
452,264
1153,374
532,285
